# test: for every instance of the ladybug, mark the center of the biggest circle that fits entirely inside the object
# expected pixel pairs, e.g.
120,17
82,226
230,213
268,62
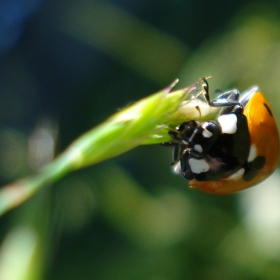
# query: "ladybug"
233,152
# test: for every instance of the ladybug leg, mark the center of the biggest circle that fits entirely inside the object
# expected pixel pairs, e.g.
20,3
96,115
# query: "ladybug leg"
180,142
181,162
228,99
176,154
175,135
186,171
183,132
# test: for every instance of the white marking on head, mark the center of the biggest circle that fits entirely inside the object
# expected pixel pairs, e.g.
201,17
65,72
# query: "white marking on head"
206,133
198,165
238,174
198,148
253,153
228,123
204,125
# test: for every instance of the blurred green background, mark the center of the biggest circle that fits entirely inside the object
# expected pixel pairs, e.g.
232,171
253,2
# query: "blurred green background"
67,65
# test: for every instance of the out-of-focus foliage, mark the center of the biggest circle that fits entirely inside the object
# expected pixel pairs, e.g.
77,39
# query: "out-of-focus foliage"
13,17
72,64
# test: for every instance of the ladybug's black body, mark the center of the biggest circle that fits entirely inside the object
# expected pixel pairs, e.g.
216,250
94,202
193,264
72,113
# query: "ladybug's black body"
211,157
214,149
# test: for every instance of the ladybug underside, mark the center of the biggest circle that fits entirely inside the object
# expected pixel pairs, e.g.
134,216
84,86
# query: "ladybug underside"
218,149
224,158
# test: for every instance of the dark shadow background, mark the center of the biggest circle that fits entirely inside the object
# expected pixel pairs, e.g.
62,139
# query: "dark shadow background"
65,66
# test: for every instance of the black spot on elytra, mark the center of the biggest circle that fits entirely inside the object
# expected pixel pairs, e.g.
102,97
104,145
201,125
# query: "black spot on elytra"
258,163
268,109
251,168
250,174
